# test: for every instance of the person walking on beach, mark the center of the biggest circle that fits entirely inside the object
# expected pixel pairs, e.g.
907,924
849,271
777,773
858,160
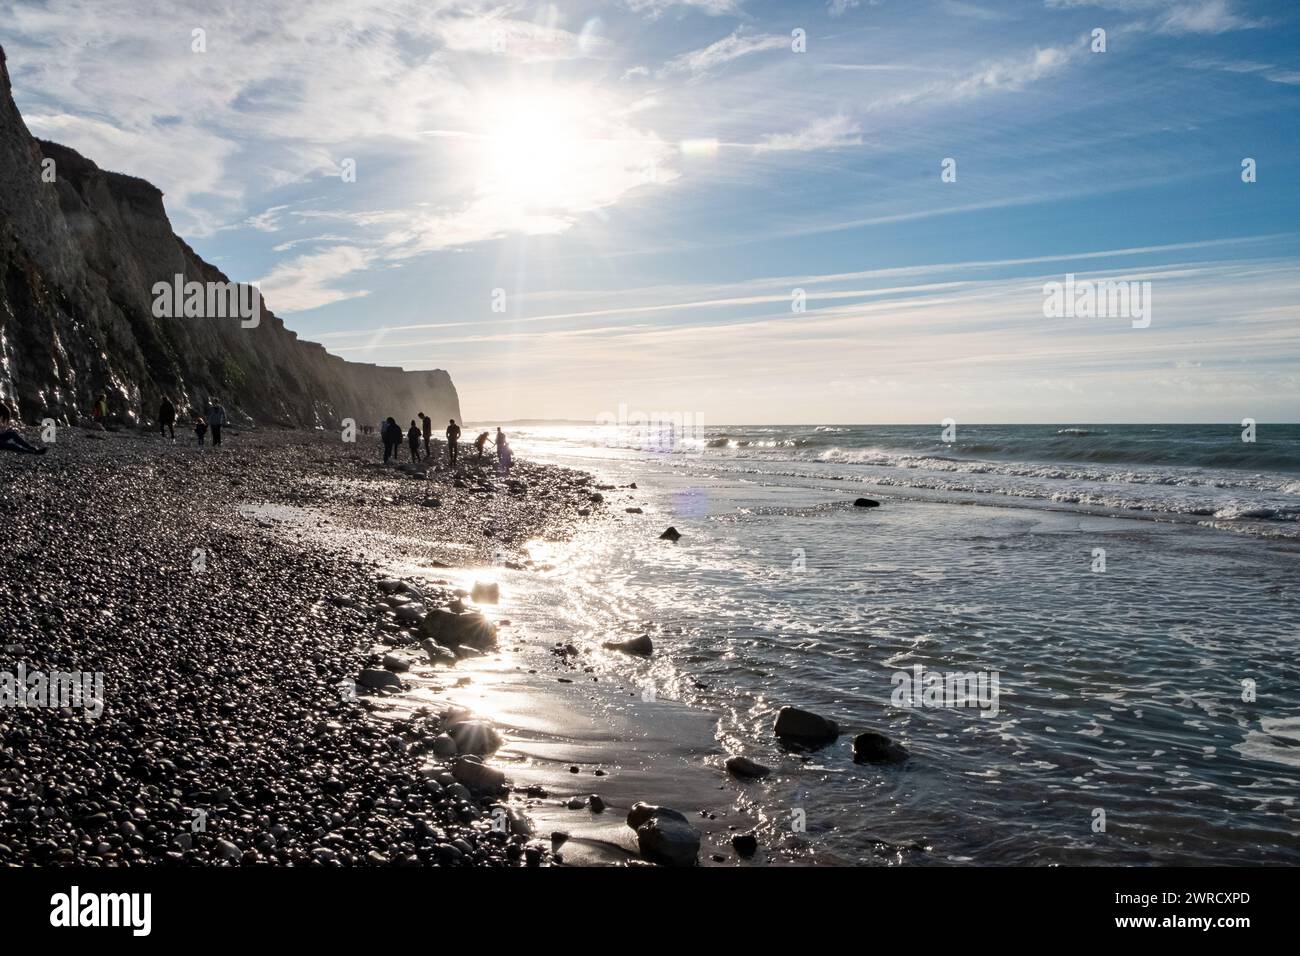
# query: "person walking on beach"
99,411
391,433
453,436
427,424
200,429
216,419
167,417
504,455
480,442
413,439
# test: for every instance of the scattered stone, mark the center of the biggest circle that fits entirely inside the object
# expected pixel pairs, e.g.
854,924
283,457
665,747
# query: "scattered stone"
596,803
641,646
470,628
745,844
486,593
804,728
871,747
475,737
376,679
437,653
866,503
394,663
744,767
477,776
664,835
634,511
672,534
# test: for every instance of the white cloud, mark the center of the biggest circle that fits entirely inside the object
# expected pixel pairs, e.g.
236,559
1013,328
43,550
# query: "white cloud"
309,281
732,47
829,132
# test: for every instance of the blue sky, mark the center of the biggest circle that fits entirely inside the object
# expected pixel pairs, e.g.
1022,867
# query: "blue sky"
647,183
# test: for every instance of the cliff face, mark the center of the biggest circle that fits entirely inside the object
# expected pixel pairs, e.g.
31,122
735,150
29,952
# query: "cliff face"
79,259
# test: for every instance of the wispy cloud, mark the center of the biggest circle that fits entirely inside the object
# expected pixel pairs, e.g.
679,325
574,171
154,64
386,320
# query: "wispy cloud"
828,132
738,44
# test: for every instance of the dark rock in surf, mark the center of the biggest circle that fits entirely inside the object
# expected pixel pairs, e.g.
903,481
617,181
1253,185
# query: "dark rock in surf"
871,747
641,646
745,844
664,835
744,767
469,627
866,503
672,534
804,728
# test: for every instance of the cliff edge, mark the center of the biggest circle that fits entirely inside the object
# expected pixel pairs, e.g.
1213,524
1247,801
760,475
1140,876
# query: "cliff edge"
81,250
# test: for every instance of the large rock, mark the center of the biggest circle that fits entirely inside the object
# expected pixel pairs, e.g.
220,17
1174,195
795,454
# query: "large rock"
866,503
744,767
376,679
437,653
871,747
664,835
641,646
450,628
803,728
478,777
671,534
474,736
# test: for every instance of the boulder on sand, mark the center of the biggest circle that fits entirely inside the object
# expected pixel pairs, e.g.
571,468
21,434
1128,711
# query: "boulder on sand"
450,628
803,728
437,653
866,503
744,767
672,534
664,835
641,646
376,679
871,747
474,736
478,777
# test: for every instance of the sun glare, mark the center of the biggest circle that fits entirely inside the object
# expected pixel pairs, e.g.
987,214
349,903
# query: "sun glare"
540,147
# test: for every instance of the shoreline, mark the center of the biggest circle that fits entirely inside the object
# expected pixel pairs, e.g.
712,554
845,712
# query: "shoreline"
227,638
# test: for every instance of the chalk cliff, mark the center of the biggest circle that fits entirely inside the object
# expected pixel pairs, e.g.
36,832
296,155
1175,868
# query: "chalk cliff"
80,253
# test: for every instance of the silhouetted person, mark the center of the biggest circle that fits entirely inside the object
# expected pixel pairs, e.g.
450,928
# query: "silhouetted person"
99,411
391,433
479,443
413,439
216,417
504,455
167,417
427,423
453,436
200,429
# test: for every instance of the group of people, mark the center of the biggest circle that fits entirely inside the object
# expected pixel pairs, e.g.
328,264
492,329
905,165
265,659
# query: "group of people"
392,435
212,420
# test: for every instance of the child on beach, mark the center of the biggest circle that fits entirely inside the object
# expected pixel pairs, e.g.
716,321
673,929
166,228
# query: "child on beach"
200,429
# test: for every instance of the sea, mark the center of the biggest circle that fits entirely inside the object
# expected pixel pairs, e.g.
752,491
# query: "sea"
1085,636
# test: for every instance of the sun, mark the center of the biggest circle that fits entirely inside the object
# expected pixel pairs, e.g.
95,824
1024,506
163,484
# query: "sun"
539,147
